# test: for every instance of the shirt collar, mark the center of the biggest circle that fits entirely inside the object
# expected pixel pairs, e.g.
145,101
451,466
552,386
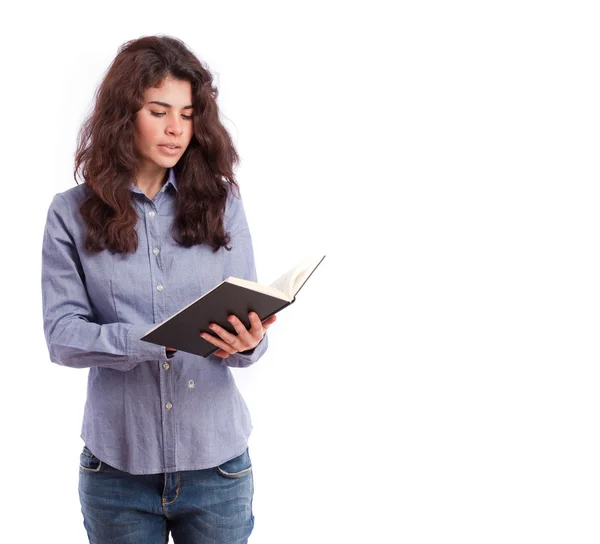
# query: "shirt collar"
170,180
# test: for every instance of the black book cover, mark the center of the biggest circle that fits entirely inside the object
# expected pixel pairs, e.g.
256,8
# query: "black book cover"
182,331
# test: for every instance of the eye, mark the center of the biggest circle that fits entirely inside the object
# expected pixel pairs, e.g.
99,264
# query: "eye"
161,113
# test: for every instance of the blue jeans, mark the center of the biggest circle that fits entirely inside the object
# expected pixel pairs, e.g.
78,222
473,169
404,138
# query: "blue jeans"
210,506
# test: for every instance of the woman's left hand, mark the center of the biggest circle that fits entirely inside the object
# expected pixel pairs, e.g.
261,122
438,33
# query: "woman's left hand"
244,340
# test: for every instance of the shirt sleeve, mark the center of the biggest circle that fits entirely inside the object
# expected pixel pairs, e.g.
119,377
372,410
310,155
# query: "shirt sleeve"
239,262
73,337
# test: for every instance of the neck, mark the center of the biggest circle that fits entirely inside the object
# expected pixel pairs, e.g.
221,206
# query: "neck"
151,179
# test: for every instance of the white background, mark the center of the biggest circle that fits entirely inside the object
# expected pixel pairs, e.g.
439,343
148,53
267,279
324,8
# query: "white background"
437,379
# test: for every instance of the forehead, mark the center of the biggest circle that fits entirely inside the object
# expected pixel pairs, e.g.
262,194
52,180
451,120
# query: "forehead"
173,91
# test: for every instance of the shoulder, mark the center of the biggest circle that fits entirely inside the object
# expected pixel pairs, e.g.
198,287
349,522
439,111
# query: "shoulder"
235,216
74,195
65,204
71,196
234,198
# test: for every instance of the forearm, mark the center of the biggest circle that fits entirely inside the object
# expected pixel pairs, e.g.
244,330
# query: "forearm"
79,343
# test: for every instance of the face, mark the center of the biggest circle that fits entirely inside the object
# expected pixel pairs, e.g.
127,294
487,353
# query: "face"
165,118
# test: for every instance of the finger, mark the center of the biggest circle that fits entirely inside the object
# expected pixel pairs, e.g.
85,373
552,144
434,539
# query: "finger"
255,323
268,322
246,338
224,334
258,327
213,340
228,346
240,328
224,346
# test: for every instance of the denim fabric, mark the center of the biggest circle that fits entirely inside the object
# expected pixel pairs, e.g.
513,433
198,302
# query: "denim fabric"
209,506
145,413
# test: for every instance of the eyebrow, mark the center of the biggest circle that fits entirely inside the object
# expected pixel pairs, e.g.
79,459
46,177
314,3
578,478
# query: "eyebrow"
165,105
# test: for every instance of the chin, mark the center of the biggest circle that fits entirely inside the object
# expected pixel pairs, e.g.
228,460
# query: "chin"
167,162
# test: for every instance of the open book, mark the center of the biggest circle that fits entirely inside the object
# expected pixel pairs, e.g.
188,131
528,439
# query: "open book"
232,296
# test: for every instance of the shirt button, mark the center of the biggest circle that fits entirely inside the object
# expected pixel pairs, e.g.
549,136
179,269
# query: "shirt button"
160,287
168,406
166,366
152,213
155,251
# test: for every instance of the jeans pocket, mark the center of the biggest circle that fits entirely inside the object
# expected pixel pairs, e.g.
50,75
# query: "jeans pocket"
88,462
237,467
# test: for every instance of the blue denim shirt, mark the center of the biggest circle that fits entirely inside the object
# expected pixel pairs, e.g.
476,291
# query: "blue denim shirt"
145,412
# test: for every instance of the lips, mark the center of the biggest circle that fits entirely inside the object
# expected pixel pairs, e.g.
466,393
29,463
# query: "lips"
173,151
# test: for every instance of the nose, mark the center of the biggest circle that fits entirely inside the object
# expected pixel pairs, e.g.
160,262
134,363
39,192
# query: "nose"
175,125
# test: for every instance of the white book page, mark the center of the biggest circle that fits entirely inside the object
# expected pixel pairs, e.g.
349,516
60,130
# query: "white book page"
266,289
292,280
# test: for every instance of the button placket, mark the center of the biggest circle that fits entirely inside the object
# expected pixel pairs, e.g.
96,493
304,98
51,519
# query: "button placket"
153,231
154,222
153,242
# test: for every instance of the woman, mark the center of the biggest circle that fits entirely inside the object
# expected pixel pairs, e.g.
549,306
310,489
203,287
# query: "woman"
156,224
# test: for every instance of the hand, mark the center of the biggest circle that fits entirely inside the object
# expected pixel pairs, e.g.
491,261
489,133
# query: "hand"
244,340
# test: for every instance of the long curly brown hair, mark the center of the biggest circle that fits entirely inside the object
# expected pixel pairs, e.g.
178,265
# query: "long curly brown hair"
106,159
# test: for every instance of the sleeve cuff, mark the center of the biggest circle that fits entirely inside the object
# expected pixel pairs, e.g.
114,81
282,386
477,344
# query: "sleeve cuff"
138,350
242,359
